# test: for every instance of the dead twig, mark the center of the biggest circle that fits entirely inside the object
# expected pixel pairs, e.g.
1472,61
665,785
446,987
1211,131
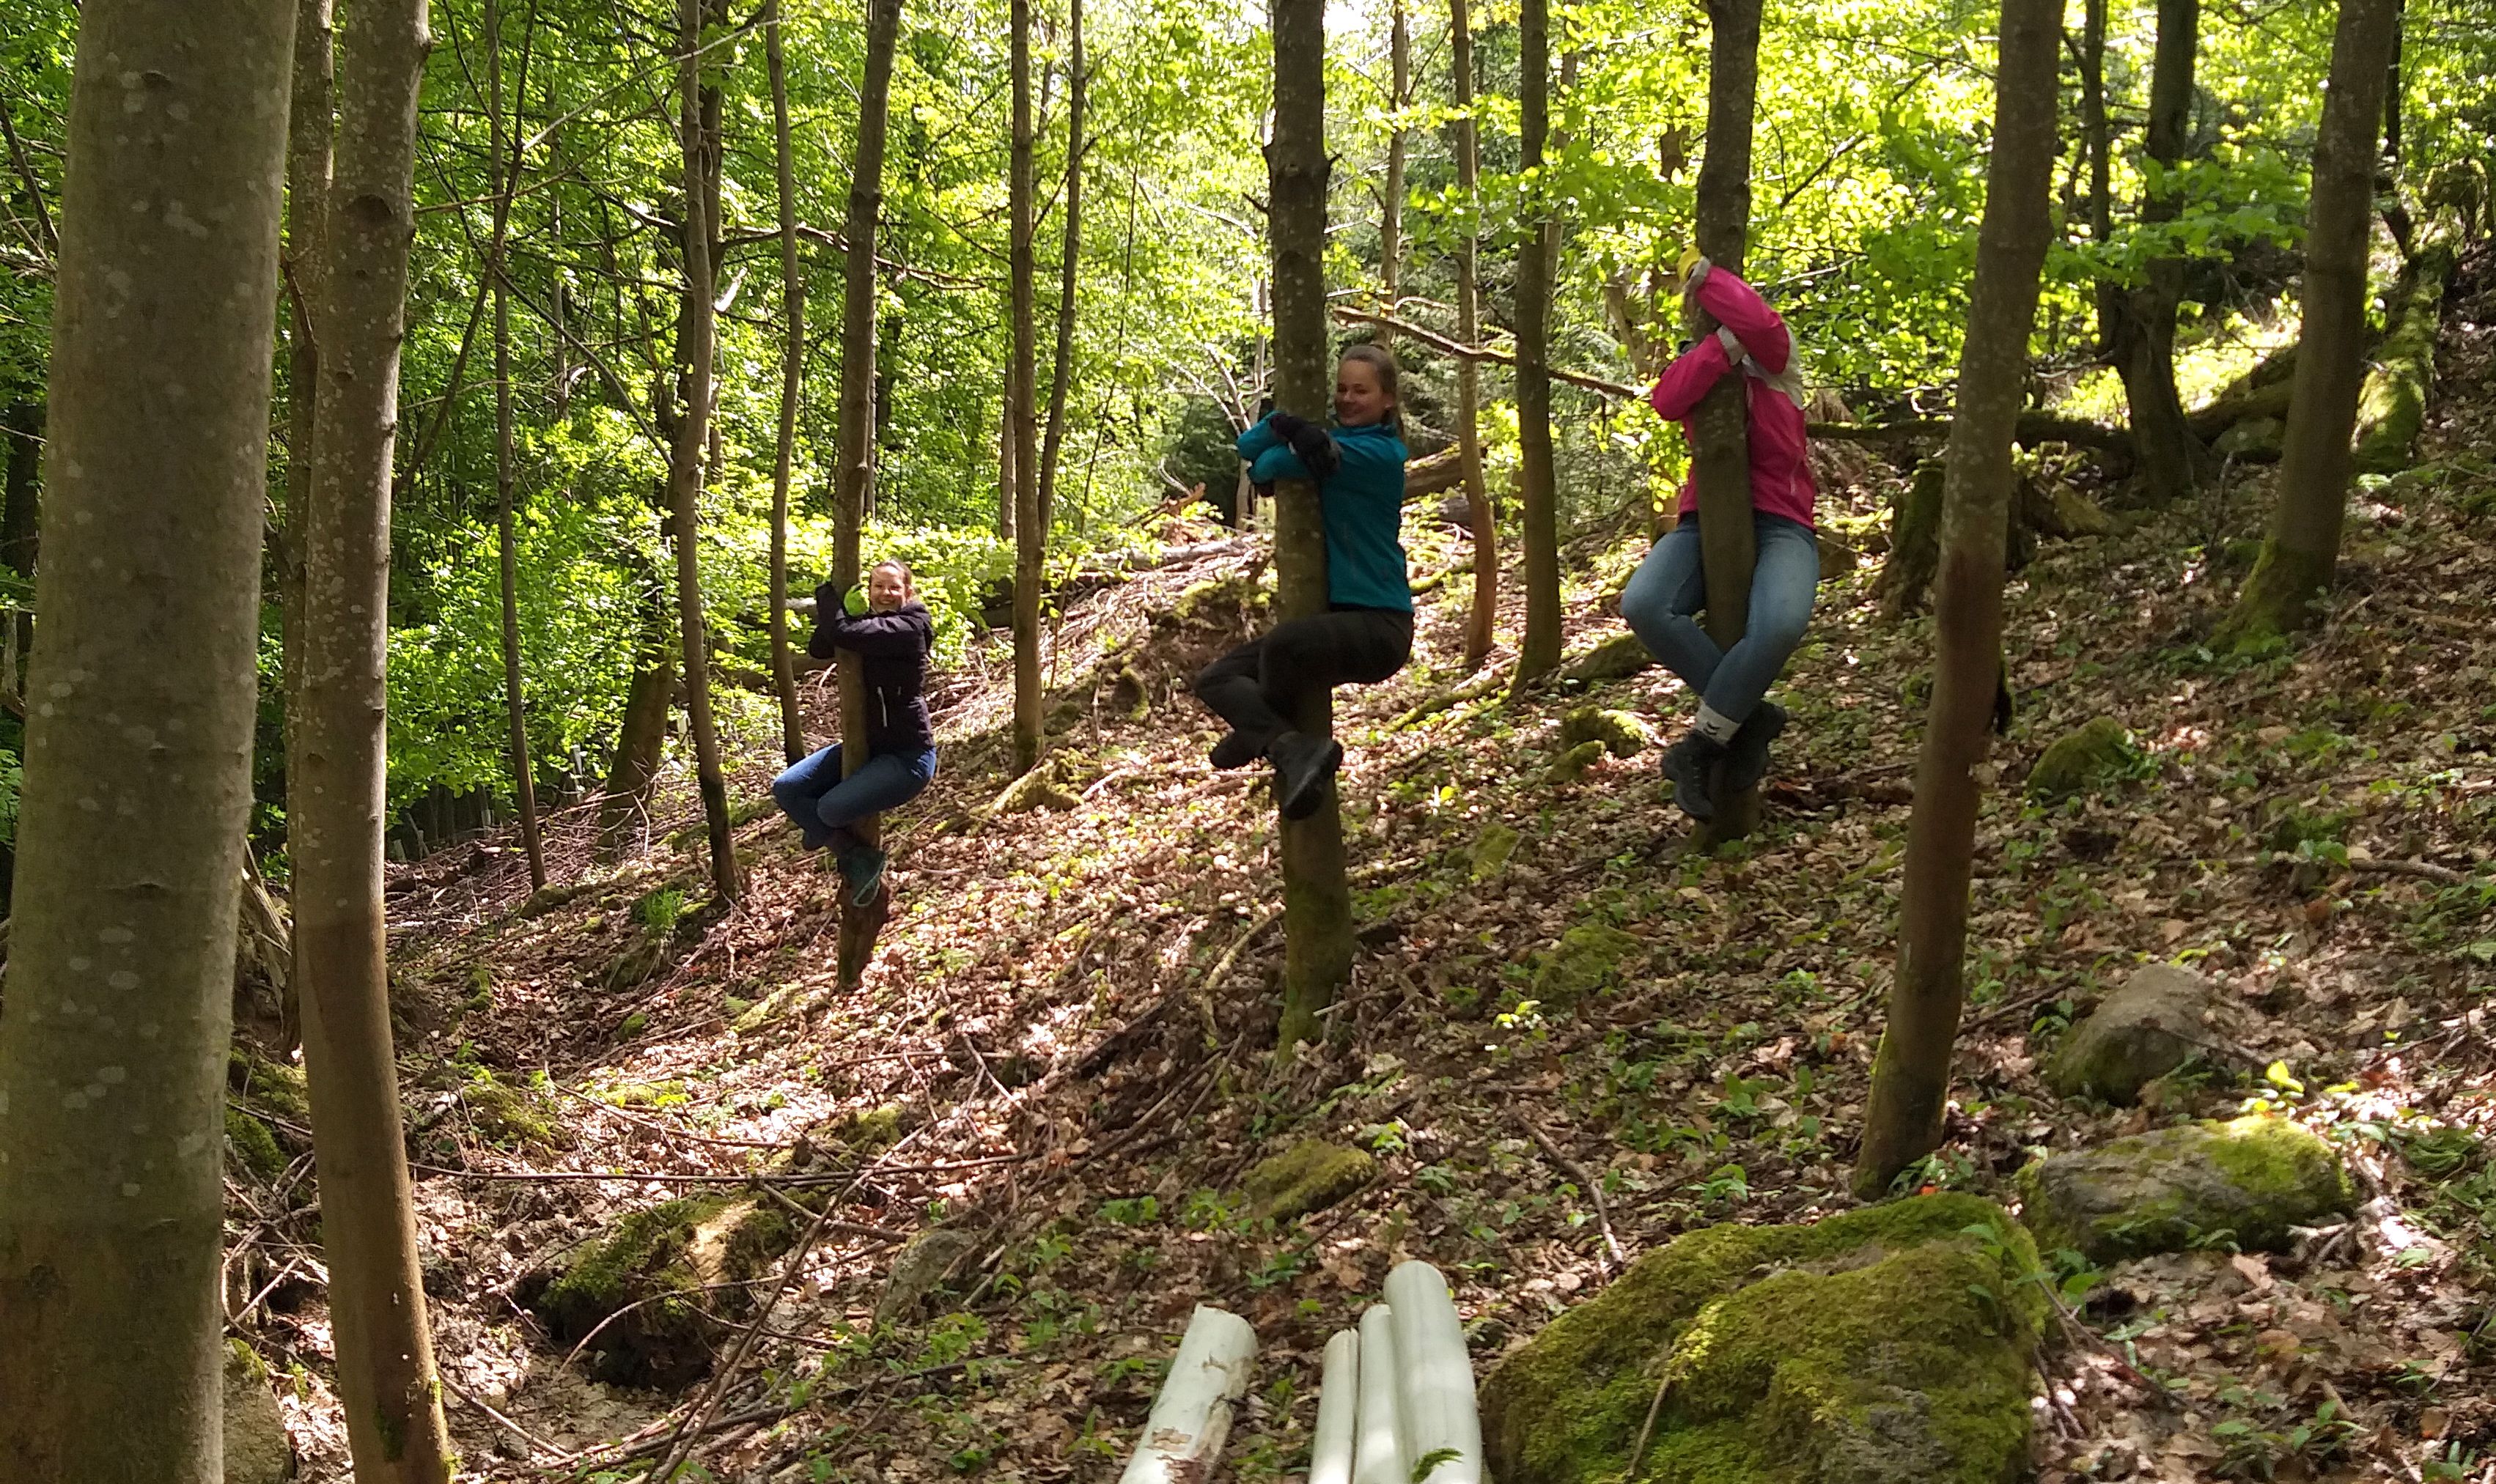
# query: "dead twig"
1586,1183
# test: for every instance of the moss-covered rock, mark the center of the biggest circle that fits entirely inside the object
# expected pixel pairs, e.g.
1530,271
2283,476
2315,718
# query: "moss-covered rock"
1587,958
1572,765
251,1145
1038,789
258,1447
1618,730
2080,760
1308,1177
275,1086
665,1276
2153,1024
1491,849
1614,659
516,1117
1882,1346
2248,1181
921,1265
2295,827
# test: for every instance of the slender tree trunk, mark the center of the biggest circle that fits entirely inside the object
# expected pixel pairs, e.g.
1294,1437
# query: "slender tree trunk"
793,371
641,737
699,119
1720,450
2303,545
1031,537
1390,204
1316,899
310,138
1005,454
524,783
2170,456
121,942
1477,511
2099,138
1540,652
1911,1076
1063,371
854,473
386,1377
24,427
2387,176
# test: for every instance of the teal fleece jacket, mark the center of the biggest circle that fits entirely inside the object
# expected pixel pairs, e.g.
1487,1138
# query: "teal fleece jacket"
1362,505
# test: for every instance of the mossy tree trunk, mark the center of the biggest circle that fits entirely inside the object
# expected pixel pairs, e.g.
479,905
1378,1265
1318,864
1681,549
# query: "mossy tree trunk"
853,470
1720,427
1316,899
1538,494
793,376
2170,457
699,124
1484,615
386,1375
2303,544
1914,543
122,938
1911,1075
524,786
1031,537
642,736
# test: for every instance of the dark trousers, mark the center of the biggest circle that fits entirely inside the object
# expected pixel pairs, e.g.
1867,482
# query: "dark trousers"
1257,687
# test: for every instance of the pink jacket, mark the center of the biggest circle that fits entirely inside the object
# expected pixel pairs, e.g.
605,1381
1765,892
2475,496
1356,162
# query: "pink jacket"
1781,483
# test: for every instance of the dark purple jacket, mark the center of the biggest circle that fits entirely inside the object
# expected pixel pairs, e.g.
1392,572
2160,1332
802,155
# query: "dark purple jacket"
894,648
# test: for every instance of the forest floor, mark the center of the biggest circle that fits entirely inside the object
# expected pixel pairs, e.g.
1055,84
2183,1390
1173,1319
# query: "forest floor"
1072,1012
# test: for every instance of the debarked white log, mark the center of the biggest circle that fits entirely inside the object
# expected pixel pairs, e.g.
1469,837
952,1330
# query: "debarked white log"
1191,1418
1380,1458
1338,1403
1437,1414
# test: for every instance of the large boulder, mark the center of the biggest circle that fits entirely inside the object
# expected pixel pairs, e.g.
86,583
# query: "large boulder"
2246,1180
2161,1018
258,1447
655,1288
1888,1346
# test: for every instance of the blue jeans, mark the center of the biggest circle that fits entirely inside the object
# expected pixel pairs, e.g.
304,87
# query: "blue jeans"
1670,586
824,804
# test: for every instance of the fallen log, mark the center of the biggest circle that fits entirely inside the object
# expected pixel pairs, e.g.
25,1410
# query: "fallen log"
2034,428
2392,408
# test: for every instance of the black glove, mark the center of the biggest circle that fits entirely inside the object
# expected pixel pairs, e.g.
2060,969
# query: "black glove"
1312,443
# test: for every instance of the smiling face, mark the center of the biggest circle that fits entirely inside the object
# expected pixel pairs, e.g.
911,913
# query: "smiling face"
1359,397
887,588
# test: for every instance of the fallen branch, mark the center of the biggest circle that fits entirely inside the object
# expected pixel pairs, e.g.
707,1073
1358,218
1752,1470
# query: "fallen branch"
1586,1183
2425,870
1477,353
2033,428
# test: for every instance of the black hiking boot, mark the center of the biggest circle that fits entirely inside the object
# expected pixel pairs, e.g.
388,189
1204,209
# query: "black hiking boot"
1746,757
1235,750
1687,763
862,871
1302,766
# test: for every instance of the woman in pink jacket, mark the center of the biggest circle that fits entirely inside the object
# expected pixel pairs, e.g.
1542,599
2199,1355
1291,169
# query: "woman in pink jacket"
1735,724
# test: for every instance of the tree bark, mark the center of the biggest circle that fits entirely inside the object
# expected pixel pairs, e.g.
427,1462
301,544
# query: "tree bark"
310,140
854,469
792,372
1317,898
699,120
1031,537
2302,547
1910,1075
2099,138
641,738
1484,613
1540,652
1721,449
386,1375
2170,457
122,938
525,785
1063,372
1391,202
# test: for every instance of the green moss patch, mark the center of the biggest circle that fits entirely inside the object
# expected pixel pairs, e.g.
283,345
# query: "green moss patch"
1572,765
2246,1182
2082,760
653,1290
1614,659
251,1145
1618,730
1881,1347
1587,958
1309,1176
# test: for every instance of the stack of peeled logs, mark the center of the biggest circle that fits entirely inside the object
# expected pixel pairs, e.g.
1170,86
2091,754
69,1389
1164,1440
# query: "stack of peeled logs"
1396,1402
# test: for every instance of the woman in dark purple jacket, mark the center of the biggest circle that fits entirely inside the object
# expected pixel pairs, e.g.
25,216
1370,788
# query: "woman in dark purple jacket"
886,627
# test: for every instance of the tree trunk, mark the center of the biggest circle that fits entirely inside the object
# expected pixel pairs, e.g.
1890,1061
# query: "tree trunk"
699,120
853,471
1915,542
2098,137
1911,1075
525,785
1721,449
2303,544
310,138
1316,899
386,1375
123,932
1540,652
641,738
1030,536
793,371
2387,177
1478,623
1064,370
2170,456
1391,202
19,509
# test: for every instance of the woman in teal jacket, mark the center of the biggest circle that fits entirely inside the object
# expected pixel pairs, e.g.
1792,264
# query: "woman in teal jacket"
1366,632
